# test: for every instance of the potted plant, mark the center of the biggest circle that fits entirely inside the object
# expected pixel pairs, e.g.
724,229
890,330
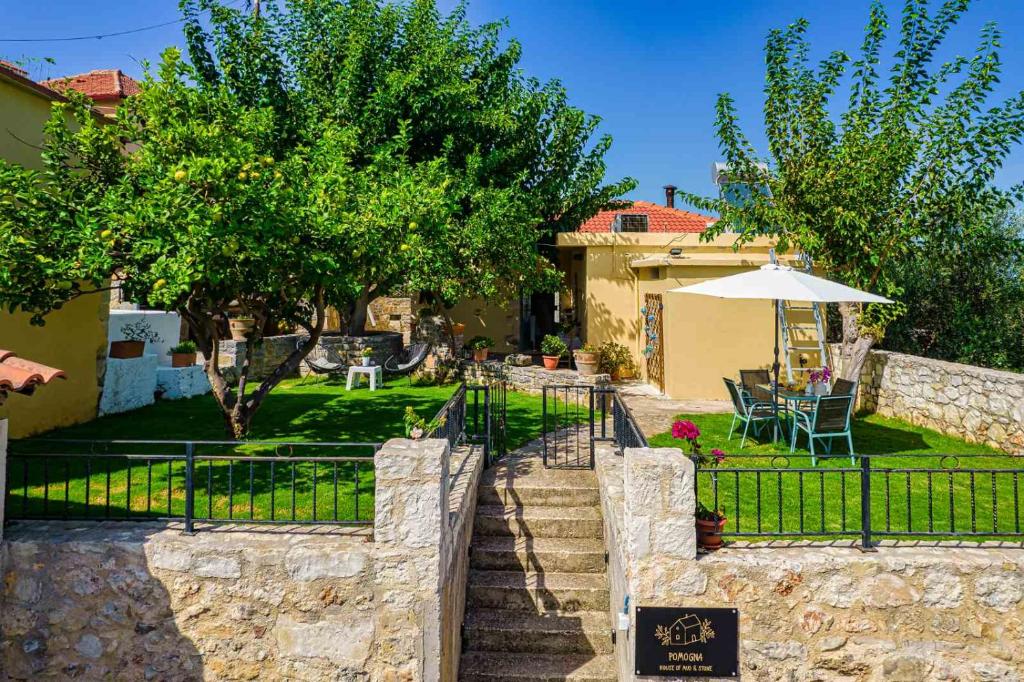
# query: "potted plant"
552,349
241,328
458,329
587,359
183,354
417,427
709,521
135,334
480,345
367,356
820,381
614,359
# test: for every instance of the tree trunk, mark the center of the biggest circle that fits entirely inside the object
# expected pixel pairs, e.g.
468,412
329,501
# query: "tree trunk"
853,352
357,318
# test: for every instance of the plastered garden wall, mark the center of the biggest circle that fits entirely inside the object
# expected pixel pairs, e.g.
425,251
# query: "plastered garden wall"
816,613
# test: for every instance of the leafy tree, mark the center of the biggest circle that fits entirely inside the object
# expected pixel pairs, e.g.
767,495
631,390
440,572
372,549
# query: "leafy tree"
316,155
908,163
965,297
517,157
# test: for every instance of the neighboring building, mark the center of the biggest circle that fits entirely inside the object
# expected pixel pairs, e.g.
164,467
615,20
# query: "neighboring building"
107,88
74,337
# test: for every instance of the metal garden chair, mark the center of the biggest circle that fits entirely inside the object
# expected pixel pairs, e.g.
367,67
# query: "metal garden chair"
753,411
318,364
829,419
408,360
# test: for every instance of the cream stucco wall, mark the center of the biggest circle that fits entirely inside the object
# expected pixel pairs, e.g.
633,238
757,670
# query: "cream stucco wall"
704,338
74,337
500,321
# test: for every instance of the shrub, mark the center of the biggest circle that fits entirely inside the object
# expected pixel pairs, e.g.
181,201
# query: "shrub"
480,343
615,357
183,348
552,345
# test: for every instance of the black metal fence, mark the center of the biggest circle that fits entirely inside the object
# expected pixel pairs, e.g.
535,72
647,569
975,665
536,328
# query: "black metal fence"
208,481
622,427
568,426
880,496
476,414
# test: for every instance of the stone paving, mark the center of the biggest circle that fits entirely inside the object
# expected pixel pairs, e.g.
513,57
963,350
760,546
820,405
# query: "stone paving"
655,412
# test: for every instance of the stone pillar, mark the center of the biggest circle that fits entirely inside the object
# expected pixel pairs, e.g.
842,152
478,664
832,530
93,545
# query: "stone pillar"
411,539
3,473
660,534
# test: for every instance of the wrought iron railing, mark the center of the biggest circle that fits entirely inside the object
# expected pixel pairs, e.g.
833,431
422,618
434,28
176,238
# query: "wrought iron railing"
625,430
877,496
475,414
452,416
248,482
567,414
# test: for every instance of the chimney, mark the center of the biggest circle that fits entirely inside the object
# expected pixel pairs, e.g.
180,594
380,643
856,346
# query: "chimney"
670,196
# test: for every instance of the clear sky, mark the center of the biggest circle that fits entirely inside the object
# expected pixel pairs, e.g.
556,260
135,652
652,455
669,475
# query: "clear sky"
651,69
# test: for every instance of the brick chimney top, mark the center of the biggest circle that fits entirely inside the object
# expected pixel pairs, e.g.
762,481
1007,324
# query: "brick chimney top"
670,196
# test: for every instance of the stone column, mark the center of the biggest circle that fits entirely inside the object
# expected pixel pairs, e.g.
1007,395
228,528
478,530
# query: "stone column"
660,541
3,473
411,539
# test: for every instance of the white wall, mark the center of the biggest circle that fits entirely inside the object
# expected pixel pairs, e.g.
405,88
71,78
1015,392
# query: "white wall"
167,325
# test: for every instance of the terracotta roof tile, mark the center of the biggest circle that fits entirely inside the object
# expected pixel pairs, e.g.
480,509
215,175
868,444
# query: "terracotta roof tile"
22,376
659,218
104,84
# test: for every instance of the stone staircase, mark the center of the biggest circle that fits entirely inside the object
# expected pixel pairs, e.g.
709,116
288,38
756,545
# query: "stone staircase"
537,594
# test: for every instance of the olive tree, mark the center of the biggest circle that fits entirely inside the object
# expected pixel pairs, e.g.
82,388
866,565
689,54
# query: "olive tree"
909,160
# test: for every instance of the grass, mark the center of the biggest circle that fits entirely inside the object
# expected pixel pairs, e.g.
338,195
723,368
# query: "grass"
923,483
151,486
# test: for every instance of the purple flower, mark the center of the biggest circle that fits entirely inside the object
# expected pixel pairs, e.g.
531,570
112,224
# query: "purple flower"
718,454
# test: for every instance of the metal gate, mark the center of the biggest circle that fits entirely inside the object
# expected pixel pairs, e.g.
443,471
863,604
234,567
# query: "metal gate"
655,348
568,426
486,415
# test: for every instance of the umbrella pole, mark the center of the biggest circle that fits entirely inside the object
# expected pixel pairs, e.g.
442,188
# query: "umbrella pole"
775,375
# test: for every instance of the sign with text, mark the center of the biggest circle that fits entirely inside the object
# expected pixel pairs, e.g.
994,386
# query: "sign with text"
687,642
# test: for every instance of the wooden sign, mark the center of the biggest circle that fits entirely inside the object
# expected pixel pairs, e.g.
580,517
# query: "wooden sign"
687,642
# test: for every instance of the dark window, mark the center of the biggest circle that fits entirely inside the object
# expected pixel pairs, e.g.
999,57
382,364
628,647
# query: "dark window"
629,222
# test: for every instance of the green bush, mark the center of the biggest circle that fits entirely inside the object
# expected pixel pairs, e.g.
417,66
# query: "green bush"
185,347
615,357
552,345
480,343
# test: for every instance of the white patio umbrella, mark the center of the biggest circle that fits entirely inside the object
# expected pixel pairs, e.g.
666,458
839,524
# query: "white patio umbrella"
776,283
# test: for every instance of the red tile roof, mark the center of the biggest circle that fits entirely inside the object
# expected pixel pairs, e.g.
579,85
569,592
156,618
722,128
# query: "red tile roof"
22,376
11,66
103,84
659,218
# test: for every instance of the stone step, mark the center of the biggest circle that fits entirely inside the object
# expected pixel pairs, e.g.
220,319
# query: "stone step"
480,666
583,632
549,522
542,555
528,493
537,592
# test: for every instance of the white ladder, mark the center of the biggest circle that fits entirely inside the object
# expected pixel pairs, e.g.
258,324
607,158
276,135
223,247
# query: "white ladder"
796,337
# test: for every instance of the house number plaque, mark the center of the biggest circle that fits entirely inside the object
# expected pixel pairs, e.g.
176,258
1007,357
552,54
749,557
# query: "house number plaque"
687,642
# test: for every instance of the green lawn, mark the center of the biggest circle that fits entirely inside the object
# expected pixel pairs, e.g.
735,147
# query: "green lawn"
148,486
789,496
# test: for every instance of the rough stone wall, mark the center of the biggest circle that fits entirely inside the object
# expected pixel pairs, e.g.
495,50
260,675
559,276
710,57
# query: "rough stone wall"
977,404
530,379
273,350
392,315
816,612
145,602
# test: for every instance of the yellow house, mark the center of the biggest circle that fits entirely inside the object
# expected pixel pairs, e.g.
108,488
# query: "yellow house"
618,268
75,337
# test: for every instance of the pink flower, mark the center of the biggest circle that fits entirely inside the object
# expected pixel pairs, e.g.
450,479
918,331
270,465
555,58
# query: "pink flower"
719,455
685,429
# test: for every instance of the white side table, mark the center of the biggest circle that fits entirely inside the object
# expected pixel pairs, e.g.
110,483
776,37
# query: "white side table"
375,372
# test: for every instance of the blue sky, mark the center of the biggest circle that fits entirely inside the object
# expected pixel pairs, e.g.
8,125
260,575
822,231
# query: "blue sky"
650,69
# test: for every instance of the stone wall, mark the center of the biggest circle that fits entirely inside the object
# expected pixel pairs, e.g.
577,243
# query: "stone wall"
273,350
977,404
814,612
531,379
389,314
146,602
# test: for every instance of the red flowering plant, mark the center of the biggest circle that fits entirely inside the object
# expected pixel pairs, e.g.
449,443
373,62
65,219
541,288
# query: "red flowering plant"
686,430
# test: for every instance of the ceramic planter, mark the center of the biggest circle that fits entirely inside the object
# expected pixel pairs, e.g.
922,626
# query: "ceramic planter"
183,359
586,362
125,350
709,533
550,361
241,328
480,354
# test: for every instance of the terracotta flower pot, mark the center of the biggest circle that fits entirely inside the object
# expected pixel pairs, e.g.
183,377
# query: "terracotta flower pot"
241,328
458,329
125,350
183,359
480,354
550,361
586,362
709,533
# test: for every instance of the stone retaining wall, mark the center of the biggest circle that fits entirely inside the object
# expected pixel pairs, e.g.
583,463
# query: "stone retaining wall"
392,315
531,379
974,403
813,613
273,350
146,602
